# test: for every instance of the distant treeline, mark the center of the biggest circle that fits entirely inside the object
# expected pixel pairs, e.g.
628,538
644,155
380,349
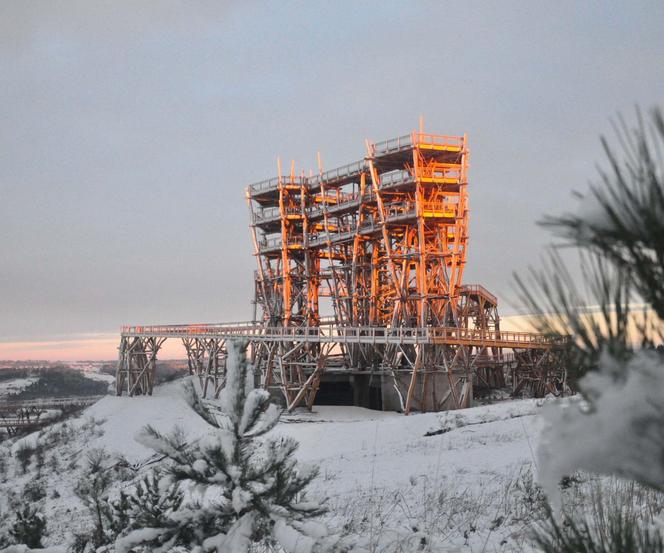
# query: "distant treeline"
9,373
61,383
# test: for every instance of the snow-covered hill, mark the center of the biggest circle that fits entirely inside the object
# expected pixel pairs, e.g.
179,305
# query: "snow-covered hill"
464,477
15,385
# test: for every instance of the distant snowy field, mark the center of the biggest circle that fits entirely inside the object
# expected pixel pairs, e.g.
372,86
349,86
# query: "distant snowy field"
468,482
100,377
15,385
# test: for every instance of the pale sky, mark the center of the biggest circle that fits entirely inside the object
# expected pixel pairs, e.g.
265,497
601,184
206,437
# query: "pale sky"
128,131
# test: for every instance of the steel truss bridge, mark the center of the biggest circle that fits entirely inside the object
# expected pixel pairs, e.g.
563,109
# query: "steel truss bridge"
381,243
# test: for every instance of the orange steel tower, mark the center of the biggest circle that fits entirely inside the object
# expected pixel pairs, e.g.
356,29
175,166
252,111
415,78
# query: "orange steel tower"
360,278
385,238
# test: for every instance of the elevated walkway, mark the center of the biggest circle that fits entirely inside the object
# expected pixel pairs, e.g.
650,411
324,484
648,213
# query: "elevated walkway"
347,335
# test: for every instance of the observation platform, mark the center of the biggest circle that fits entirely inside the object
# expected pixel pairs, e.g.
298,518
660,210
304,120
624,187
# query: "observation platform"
388,156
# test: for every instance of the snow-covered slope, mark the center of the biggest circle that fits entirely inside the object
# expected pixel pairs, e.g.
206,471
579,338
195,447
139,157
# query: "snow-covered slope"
123,417
445,474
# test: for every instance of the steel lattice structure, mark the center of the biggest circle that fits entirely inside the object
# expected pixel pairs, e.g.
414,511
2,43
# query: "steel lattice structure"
380,244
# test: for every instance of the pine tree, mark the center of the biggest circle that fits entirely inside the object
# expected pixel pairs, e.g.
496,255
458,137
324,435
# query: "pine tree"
92,490
151,504
619,427
618,232
29,527
235,488
119,514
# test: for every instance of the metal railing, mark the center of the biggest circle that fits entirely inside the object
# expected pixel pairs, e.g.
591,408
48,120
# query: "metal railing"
343,334
338,174
439,140
334,237
276,242
274,213
448,209
266,214
478,289
394,178
408,209
273,183
355,169
196,328
393,145
417,139
268,243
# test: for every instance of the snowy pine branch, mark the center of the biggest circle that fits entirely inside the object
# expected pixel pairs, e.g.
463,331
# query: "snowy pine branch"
196,403
232,488
172,446
597,316
622,217
618,427
621,433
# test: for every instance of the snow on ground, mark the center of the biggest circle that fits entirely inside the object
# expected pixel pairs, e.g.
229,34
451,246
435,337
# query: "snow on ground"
123,417
384,465
391,449
15,385
449,474
100,377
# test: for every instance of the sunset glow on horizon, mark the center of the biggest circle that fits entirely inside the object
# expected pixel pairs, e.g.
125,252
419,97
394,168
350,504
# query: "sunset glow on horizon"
78,348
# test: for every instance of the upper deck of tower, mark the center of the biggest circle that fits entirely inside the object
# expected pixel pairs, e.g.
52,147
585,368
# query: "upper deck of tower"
389,156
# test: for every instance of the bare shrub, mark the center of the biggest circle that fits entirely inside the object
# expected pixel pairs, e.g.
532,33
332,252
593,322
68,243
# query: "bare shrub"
24,455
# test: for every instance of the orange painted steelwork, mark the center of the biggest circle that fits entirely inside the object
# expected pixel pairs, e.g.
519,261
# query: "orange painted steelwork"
385,239
360,269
